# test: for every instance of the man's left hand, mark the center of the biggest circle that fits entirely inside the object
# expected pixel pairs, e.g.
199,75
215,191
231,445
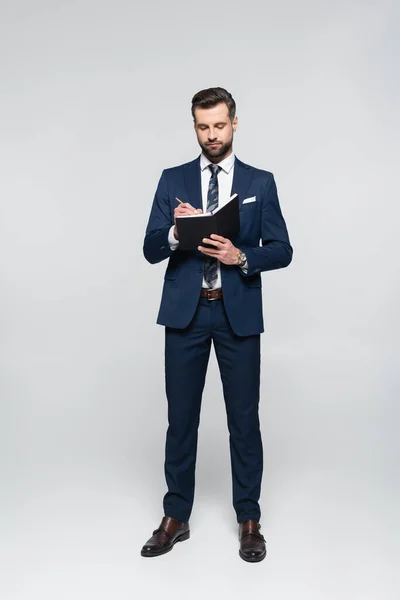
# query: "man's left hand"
223,249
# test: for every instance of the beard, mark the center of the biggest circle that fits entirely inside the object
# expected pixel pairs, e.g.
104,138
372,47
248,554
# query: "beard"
221,150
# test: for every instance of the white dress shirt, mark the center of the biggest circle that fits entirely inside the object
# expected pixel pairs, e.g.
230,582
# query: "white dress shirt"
225,178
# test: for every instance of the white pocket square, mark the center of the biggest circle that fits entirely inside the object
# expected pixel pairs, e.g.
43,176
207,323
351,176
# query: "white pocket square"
248,200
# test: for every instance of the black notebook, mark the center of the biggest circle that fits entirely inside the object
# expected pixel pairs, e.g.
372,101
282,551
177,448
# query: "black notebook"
223,221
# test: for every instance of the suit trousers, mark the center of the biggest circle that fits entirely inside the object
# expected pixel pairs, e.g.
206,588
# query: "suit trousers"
187,354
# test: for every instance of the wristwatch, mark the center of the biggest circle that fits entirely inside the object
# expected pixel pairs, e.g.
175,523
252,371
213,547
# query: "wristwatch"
242,258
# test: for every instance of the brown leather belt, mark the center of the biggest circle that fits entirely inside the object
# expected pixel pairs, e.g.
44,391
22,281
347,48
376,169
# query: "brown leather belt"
211,294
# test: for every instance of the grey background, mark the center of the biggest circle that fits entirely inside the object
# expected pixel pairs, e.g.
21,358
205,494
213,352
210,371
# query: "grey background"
95,102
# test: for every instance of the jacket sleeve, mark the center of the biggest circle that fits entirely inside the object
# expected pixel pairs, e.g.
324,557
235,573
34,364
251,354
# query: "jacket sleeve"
156,246
276,251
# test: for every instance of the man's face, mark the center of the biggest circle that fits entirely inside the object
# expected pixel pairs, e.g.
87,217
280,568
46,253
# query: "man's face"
214,131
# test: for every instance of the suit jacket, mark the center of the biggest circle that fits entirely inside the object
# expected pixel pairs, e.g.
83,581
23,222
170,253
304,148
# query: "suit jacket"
260,221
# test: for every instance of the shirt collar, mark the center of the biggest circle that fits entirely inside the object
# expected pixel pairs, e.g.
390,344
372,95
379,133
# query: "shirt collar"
226,164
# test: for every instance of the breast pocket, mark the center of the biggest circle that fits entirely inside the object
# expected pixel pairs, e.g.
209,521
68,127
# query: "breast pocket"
249,216
248,210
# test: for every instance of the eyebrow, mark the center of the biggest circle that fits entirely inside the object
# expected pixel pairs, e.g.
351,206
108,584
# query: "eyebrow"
215,124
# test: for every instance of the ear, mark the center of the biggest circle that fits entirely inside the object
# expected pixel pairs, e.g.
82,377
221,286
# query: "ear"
235,123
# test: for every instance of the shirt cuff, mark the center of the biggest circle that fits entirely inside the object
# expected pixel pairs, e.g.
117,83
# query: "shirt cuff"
173,242
245,267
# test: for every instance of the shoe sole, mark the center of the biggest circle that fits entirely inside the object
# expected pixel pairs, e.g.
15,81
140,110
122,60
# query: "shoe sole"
180,538
254,559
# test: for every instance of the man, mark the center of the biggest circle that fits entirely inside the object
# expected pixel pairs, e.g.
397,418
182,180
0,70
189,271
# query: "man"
214,294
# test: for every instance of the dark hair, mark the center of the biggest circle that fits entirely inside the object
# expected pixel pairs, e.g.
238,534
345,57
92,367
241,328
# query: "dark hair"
211,97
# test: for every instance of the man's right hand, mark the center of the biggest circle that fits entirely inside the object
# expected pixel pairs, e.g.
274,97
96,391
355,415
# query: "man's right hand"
184,209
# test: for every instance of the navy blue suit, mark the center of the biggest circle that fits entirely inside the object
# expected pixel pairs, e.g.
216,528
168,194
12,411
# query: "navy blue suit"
233,324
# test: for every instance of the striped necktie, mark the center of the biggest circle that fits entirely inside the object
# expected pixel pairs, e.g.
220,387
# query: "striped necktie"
211,264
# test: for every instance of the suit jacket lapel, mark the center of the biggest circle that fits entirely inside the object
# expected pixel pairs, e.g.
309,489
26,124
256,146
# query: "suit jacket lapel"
193,183
242,176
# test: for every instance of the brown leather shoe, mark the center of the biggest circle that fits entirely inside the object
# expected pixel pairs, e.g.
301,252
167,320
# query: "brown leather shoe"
252,542
164,538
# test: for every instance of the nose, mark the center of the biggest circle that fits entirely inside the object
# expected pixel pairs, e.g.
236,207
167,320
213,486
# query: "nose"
211,135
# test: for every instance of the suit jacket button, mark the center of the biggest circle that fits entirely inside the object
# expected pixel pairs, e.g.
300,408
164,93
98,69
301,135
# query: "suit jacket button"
199,270
162,247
